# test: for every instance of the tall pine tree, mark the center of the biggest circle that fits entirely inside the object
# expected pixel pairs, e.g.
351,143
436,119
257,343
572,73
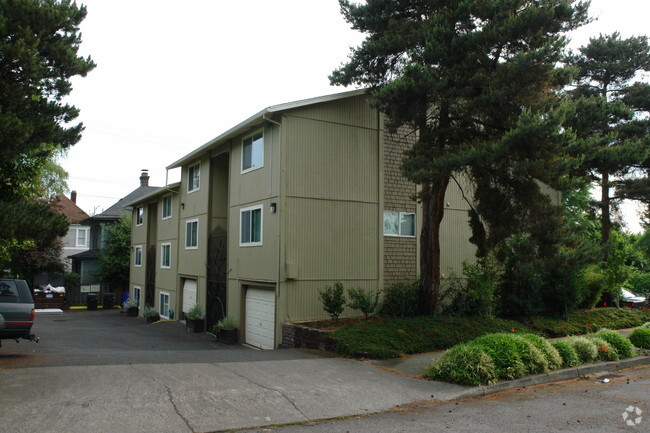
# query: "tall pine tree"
611,120
476,80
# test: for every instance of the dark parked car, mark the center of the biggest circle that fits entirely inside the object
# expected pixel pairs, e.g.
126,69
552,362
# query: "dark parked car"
16,310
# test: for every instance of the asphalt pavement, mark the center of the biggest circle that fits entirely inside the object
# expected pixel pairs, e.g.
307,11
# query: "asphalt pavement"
101,371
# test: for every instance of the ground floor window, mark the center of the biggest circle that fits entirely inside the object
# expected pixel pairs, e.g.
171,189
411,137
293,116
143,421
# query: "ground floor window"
399,223
136,294
164,305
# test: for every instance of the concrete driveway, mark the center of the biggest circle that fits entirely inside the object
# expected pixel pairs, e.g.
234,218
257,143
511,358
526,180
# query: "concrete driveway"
100,371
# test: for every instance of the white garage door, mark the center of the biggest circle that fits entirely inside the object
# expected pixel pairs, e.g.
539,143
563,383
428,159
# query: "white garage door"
260,318
189,295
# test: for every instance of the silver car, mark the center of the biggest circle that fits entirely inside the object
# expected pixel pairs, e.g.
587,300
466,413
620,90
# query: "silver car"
16,310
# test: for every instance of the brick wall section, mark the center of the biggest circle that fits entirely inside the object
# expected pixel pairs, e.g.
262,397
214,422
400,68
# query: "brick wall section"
400,253
294,335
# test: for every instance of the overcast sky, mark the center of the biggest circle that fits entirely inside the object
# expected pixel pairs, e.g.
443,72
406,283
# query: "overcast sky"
172,75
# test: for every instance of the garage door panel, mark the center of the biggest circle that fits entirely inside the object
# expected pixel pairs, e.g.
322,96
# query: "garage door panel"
260,318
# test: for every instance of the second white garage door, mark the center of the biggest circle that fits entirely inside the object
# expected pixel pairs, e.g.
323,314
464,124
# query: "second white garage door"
260,318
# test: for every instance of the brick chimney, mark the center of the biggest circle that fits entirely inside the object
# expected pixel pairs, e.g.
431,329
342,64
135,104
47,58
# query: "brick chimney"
144,177
73,196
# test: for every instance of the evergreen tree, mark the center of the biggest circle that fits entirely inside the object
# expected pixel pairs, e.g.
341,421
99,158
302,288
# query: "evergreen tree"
114,259
475,79
611,121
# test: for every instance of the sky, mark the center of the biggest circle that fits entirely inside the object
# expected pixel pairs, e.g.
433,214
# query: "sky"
172,75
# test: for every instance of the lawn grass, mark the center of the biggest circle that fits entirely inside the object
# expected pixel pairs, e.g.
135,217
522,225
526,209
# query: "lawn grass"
393,337
585,322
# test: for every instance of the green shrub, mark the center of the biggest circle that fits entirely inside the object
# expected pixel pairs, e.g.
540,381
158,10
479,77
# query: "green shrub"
195,313
568,353
621,344
551,354
512,355
640,337
645,325
466,364
401,300
333,300
475,293
593,284
605,350
586,350
640,283
362,300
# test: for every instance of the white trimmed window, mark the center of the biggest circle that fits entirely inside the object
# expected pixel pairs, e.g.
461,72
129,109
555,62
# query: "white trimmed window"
250,223
136,294
82,238
399,223
137,253
165,255
139,215
163,308
167,207
194,177
252,156
191,234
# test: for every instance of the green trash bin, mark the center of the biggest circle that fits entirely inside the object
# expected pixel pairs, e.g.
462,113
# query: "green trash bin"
108,301
91,301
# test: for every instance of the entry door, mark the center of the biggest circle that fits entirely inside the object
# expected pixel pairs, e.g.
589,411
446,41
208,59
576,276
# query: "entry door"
260,318
189,295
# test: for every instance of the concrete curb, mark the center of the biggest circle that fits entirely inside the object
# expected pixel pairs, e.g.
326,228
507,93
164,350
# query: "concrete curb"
556,376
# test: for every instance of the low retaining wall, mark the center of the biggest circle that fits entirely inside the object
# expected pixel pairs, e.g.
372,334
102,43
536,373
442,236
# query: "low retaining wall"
295,335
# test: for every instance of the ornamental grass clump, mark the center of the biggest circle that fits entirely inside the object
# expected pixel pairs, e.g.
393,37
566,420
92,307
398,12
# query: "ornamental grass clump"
622,345
513,356
605,350
586,350
550,353
466,364
567,352
640,337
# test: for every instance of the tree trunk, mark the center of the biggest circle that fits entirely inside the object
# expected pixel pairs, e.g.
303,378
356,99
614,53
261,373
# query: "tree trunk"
605,218
433,208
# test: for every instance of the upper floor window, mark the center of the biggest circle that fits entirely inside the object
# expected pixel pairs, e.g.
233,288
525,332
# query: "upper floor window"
82,238
251,226
191,234
252,152
193,177
399,223
167,207
165,255
139,215
137,253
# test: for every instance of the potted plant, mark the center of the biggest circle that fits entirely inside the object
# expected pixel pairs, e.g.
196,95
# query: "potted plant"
151,314
131,308
226,331
194,319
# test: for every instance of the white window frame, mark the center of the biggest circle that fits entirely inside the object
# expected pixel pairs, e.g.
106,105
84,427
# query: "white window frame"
188,222
137,253
241,225
137,292
161,304
162,255
399,224
190,179
252,167
85,243
139,216
166,217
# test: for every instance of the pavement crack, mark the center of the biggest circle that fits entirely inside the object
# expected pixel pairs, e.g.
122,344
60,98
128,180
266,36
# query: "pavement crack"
178,412
286,397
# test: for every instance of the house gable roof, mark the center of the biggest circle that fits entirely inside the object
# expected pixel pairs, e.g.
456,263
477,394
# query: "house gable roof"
258,118
66,207
171,188
121,207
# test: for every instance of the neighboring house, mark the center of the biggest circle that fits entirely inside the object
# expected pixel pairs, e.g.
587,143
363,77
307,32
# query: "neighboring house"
86,263
77,239
295,198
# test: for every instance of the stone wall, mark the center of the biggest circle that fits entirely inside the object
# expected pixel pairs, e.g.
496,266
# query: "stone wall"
295,335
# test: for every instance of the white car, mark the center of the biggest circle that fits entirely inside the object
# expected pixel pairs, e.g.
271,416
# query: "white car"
629,299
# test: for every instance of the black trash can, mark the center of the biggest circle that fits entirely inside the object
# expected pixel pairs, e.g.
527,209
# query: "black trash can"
91,301
109,301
